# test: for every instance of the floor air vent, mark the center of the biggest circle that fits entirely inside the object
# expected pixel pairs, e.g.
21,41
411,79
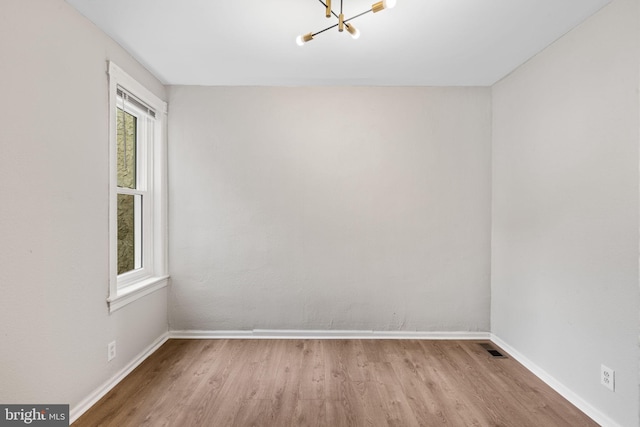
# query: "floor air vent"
492,351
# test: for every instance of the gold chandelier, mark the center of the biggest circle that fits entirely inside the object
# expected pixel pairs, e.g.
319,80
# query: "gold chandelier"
344,23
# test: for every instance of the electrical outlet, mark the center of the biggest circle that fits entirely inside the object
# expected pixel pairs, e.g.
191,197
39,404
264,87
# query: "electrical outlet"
608,377
111,351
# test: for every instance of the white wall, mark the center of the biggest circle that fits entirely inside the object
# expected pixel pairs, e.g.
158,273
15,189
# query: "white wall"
329,208
54,323
565,210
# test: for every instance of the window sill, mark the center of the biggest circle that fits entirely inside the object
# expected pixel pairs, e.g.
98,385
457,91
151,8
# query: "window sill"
131,293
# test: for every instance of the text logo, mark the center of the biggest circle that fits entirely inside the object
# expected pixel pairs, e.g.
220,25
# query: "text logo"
34,415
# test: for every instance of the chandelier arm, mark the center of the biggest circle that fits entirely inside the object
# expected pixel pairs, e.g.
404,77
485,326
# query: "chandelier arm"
358,15
332,12
322,31
323,3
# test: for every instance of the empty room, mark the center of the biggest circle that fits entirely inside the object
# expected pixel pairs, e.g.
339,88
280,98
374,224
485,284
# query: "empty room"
320,213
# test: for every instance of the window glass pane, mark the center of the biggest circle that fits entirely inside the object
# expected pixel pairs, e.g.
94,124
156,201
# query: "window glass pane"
129,232
127,125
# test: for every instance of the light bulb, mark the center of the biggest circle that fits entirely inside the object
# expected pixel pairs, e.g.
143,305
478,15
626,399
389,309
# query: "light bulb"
301,40
382,5
355,33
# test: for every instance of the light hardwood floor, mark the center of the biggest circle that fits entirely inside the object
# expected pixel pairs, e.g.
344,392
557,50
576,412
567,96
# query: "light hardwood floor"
330,383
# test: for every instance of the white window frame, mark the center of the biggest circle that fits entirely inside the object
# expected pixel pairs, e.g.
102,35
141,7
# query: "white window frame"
152,185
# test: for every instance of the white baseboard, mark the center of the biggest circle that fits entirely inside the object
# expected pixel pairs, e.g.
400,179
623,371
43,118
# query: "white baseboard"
99,393
328,334
563,390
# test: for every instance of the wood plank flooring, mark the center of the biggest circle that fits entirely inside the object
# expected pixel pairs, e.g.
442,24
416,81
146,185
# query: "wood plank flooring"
330,383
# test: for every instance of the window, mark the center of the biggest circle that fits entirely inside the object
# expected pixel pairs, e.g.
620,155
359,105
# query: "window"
137,220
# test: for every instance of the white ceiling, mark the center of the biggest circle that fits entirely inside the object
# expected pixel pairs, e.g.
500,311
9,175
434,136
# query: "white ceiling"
252,42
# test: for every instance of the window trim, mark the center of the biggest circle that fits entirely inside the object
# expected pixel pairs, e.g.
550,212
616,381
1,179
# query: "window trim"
130,286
